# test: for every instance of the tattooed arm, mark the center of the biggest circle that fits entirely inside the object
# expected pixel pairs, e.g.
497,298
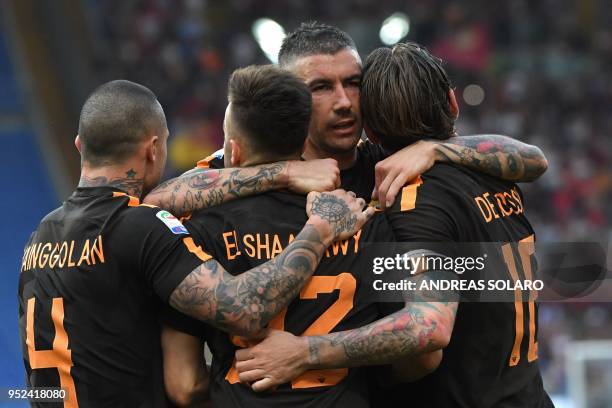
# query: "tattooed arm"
499,156
202,188
420,327
244,304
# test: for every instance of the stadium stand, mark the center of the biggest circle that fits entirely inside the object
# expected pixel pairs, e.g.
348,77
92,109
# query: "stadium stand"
28,196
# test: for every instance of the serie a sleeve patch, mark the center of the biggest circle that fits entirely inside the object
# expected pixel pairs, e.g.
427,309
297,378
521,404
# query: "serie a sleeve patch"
171,222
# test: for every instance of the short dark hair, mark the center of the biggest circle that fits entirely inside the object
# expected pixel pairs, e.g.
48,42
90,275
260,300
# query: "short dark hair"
114,120
271,107
313,38
404,96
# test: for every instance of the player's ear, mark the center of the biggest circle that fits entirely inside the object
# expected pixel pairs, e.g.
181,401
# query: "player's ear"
454,108
77,143
371,136
236,153
152,149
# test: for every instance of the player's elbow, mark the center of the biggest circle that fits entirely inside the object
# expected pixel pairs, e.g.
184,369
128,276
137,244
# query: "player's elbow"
441,335
183,394
540,164
429,362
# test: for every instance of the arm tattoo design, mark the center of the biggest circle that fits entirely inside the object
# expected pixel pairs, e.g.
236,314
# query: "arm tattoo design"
245,303
412,330
203,188
334,210
496,155
130,184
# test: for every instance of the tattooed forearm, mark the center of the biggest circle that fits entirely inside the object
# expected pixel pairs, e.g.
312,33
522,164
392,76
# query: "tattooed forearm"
202,188
130,184
424,324
499,156
417,328
244,304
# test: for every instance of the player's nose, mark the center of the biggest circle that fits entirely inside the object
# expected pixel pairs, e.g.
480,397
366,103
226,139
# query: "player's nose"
342,101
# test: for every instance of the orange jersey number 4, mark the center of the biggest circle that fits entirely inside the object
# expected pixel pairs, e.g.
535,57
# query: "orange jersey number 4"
59,356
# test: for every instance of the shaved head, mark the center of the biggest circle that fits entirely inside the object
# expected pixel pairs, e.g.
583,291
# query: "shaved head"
115,119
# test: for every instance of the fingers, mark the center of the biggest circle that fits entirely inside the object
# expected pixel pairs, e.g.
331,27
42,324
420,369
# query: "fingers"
246,365
379,175
336,174
384,187
251,375
368,213
395,187
244,354
355,203
330,169
264,384
311,196
365,216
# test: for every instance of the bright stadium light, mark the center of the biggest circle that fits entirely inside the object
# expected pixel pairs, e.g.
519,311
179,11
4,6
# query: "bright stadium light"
269,35
394,28
473,95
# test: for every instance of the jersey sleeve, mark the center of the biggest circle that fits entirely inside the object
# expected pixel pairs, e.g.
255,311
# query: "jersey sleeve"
162,249
206,227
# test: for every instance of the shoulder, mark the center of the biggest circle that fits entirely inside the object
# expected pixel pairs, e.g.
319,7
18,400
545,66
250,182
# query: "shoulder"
428,208
462,179
444,185
54,215
447,173
144,218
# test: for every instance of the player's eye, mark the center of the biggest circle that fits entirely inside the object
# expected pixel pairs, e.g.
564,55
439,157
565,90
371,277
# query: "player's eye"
320,87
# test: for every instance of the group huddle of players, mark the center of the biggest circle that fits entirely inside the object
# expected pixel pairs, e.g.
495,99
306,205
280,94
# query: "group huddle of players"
117,297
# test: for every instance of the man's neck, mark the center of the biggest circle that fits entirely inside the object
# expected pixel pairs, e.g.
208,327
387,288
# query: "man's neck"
124,177
345,160
257,160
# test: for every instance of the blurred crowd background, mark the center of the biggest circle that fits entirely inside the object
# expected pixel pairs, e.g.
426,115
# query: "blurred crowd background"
538,71
542,67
